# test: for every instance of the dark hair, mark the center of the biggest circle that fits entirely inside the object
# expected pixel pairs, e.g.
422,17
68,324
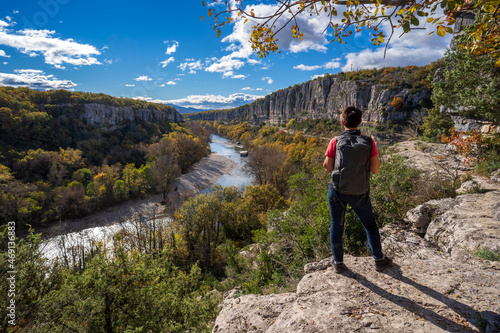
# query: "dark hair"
352,117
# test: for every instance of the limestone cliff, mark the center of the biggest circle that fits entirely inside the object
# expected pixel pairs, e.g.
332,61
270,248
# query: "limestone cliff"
325,98
101,114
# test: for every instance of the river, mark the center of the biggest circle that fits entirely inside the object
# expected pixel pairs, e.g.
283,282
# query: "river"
237,177
56,246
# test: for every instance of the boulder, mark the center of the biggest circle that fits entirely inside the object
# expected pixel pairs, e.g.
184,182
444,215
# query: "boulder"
473,222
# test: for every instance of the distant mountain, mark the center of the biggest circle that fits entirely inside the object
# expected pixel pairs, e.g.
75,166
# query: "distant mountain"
182,109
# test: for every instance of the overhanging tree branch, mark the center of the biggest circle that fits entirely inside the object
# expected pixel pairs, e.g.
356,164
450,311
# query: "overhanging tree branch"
361,15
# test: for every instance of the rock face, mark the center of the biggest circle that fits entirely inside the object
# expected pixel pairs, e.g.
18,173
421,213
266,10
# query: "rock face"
463,124
461,225
324,98
100,114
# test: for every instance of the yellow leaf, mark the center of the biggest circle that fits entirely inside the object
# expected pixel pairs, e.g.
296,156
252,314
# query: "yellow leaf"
218,33
440,31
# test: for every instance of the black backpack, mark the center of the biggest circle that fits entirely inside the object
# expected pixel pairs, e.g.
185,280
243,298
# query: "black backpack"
351,173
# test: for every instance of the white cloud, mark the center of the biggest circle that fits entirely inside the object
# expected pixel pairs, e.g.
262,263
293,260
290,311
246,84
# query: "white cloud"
316,76
171,48
56,51
130,85
230,74
34,79
240,48
254,62
215,3
414,48
166,62
214,101
332,64
171,83
15,12
259,89
269,80
3,54
143,78
307,68
225,64
246,88
191,65
329,65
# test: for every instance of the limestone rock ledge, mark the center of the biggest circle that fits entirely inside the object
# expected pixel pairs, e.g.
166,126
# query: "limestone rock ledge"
415,295
436,284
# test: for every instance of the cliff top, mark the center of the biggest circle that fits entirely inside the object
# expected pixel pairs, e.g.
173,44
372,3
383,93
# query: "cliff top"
438,283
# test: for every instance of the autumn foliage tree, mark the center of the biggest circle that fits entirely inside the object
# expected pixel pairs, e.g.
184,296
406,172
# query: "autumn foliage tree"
269,165
381,18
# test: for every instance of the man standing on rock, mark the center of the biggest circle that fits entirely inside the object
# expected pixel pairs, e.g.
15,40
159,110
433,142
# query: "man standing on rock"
350,157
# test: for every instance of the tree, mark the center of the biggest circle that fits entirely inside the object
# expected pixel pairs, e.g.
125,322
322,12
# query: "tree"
470,86
165,167
269,165
400,16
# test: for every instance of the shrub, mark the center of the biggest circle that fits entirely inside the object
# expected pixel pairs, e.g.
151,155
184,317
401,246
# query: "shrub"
397,103
487,254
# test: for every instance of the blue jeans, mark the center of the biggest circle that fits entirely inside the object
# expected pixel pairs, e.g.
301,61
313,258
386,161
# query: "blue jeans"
363,209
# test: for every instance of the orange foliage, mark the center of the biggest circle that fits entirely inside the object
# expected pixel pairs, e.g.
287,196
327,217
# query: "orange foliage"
397,103
468,144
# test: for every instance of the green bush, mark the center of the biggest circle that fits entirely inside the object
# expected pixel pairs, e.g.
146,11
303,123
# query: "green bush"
435,124
487,254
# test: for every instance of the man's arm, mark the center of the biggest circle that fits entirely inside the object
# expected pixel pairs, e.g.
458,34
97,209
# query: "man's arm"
328,164
374,164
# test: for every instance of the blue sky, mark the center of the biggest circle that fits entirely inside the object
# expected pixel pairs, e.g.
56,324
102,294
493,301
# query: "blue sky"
162,51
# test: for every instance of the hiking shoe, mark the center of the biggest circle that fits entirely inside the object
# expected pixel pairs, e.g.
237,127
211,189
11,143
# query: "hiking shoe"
380,265
339,268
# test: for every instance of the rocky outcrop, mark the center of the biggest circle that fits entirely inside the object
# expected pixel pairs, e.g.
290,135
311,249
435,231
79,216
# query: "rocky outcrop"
461,225
324,98
425,291
463,124
436,285
415,295
101,114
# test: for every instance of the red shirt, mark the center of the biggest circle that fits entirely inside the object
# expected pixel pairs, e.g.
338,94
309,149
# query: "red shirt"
331,151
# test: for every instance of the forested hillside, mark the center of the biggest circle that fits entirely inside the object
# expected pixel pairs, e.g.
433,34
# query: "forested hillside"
66,154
